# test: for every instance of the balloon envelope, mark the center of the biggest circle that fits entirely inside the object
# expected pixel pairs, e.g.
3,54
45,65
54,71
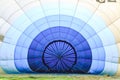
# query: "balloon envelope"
59,36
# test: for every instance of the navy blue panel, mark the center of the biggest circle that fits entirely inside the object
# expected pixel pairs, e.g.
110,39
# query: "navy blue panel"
75,39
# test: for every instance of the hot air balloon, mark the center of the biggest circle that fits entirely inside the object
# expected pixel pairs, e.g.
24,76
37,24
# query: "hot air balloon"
59,36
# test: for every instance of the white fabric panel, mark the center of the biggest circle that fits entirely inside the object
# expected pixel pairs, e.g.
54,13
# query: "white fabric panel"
110,9
68,8
4,26
25,2
9,7
86,9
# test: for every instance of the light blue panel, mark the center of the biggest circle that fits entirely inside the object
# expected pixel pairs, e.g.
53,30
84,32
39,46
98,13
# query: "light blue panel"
8,66
112,52
68,9
54,23
7,58
107,69
22,65
12,36
68,12
27,42
76,27
18,50
29,29
52,12
89,30
41,21
71,5
97,23
101,56
50,7
114,68
110,68
93,43
85,33
79,22
97,60
107,37
97,69
101,66
66,18
33,33
43,27
20,53
7,51
97,40
35,13
111,57
21,59
10,53
65,23
22,23
83,14
53,18
93,68
110,49
21,40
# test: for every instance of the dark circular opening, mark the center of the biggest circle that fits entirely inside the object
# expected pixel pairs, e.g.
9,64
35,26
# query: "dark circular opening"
59,56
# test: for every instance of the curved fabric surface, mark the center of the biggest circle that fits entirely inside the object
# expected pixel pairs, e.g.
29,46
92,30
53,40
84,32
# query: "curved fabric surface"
81,46
66,22
29,30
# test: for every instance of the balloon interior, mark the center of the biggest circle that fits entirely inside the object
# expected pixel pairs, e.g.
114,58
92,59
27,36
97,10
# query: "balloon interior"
60,36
